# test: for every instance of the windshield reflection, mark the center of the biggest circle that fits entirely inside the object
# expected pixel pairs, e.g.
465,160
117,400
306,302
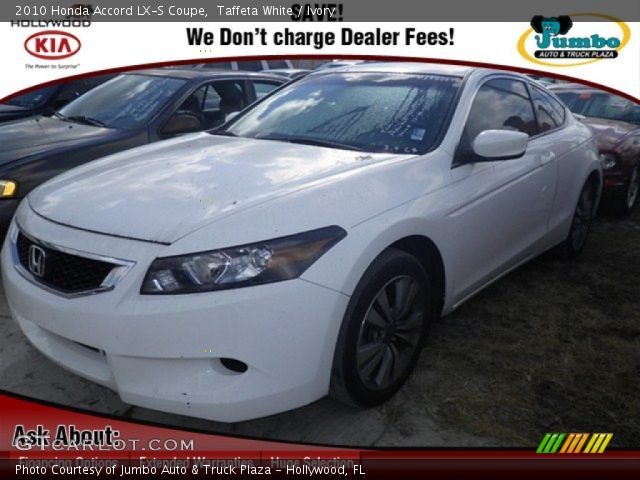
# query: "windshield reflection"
33,99
127,101
372,112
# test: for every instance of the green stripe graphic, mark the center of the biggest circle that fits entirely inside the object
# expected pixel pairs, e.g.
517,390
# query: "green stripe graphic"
543,442
551,442
558,443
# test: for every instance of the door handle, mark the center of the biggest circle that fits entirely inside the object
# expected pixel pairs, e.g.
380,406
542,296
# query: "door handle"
547,157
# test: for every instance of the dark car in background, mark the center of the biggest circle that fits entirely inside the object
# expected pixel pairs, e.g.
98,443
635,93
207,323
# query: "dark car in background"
129,110
46,100
615,122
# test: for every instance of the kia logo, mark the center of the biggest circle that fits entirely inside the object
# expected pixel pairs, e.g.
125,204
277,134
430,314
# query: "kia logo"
37,258
52,45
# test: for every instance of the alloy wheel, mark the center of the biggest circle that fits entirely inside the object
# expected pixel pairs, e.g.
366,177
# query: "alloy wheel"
582,218
390,332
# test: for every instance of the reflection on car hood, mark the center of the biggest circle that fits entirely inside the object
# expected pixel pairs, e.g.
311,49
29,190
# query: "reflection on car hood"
163,191
35,135
609,132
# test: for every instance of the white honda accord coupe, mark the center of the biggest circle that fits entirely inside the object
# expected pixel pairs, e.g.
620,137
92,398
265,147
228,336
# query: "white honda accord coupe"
304,248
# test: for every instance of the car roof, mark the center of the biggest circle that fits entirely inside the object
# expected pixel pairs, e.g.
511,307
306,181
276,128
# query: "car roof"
195,74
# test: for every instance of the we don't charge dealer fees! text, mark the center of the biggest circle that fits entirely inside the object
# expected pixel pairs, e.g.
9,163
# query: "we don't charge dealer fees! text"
346,36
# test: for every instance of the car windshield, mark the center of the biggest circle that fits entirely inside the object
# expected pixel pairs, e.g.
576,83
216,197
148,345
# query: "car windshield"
371,112
33,99
126,102
601,105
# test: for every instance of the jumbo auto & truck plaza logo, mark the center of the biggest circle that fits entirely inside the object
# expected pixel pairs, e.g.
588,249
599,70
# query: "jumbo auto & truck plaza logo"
567,40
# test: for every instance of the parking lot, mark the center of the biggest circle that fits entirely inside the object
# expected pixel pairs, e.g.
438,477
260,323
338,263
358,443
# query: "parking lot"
554,346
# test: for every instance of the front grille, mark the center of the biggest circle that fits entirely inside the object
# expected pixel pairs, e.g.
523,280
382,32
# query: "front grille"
63,271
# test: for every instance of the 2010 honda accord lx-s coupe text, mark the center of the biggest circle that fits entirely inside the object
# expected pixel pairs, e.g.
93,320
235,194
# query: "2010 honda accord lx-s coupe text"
304,248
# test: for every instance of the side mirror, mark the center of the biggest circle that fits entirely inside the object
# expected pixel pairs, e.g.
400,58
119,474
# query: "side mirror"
181,123
500,144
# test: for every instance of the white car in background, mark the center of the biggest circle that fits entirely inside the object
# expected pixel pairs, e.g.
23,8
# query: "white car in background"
303,249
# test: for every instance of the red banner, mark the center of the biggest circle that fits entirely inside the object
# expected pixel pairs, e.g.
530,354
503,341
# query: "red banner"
42,440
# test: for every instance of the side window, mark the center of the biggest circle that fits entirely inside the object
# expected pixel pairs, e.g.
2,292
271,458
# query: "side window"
250,66
193,103
550,113
500,104
274,64
211,99
263,87
212,102
219,66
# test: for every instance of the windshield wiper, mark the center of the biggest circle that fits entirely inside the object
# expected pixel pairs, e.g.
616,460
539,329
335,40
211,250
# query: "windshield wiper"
87,120
312,141
59,115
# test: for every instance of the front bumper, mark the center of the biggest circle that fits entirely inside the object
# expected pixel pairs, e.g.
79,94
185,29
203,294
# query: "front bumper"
163,352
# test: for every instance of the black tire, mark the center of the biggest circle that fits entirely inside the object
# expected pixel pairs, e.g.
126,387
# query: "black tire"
626,200
583,217
393,275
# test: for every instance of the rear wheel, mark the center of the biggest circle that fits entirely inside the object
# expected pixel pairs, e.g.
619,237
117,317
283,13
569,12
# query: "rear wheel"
582,220
383,330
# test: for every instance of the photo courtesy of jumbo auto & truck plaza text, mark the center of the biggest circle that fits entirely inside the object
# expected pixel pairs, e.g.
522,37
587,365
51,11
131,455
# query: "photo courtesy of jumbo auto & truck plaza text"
349,238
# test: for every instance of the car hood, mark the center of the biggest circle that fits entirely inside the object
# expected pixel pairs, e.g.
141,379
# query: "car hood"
162,192
608,132
35,135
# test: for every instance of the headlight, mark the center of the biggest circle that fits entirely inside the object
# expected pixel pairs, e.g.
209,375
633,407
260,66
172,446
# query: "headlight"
263,262
609,161
8,188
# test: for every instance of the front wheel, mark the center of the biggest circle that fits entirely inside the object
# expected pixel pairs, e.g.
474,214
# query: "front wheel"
383,330
582,220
